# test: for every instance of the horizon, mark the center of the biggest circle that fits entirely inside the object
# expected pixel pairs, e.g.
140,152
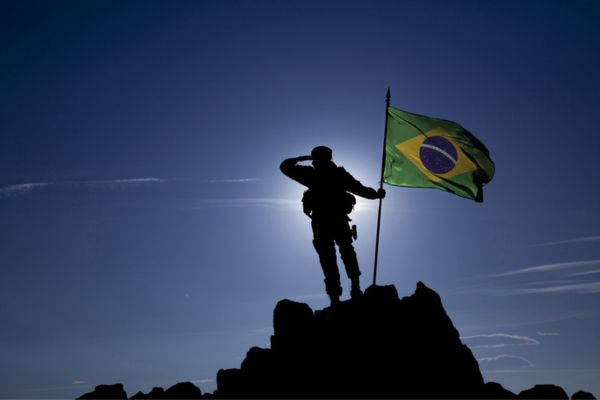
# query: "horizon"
146,230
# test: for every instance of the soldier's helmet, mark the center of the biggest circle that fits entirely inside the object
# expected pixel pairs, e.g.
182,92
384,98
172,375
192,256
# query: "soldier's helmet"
321,153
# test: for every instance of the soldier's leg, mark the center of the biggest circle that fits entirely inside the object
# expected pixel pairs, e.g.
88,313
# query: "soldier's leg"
344,242
325,246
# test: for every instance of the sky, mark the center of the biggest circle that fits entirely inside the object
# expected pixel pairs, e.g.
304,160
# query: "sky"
146,232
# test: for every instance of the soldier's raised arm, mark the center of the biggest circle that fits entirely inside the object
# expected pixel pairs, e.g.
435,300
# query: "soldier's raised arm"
299,173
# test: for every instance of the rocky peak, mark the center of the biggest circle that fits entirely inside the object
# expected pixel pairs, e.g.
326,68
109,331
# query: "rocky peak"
376,346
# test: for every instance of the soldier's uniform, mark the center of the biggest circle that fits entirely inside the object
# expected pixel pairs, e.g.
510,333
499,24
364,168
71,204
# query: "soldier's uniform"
328,203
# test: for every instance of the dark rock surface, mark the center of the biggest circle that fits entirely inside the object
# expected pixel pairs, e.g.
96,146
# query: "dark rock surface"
494,390
182,390
377,346
155,393
581,395
115,391
544,392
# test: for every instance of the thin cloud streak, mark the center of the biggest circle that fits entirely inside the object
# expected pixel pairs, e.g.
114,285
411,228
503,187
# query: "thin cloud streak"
552,267
120,183
569,241
26,188
240,180
128,181
501,357
580,288
311,296
573,370
592,272
518,340
207,380
491,287
22,188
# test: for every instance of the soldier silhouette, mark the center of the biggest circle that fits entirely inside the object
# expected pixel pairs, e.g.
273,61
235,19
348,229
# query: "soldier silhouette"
328,201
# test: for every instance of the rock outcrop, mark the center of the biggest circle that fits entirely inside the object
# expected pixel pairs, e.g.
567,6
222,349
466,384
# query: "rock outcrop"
115,391
182,390
375,347
155,393
544,392
581,395
494,390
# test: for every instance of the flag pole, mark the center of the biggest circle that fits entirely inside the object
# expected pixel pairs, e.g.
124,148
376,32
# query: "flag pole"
387,105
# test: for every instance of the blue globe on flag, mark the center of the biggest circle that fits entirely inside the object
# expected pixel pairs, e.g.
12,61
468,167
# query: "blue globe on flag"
438,154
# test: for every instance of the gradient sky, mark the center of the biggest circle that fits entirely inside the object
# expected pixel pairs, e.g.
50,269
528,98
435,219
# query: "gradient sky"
146,232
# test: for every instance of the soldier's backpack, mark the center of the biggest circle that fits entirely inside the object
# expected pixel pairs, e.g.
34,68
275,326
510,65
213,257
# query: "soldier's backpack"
347,202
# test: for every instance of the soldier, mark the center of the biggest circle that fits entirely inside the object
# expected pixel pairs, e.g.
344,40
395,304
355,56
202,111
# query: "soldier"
328,203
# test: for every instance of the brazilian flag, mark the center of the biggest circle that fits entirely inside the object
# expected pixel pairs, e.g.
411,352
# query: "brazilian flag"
427,152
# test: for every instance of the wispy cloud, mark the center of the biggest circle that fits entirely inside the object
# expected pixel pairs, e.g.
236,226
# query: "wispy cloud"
504,361
569,241
122,182
310,296
547,333
535,287
235,180
22,188
592,272
576,371
496,340
520,281
552,267
581,288
26,188
207,380
553,282
78,382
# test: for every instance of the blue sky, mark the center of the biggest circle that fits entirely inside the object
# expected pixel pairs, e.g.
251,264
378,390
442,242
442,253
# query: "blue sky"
146,232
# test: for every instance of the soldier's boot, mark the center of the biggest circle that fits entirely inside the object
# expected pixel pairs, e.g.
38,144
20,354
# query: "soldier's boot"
334,290
355,291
